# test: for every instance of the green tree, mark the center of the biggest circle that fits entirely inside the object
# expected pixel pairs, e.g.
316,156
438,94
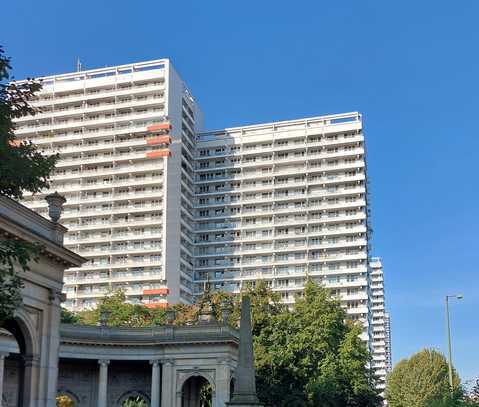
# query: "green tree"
309,355
22,167
14,254
68,317
118,313
422,381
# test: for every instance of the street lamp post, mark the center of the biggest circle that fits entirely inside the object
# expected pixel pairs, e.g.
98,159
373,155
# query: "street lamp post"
459,297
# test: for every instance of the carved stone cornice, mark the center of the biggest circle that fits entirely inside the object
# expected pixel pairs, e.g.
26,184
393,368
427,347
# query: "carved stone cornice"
19,222
161,335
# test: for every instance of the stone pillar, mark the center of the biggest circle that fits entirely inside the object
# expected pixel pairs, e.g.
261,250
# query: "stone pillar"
2,371
52,340
155,383
103,383
31,372
167,391
223,378
244,394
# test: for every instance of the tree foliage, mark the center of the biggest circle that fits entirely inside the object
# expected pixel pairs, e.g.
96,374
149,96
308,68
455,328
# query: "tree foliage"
309,355
116,312
22,167
305,355
422,381
14,254
68,317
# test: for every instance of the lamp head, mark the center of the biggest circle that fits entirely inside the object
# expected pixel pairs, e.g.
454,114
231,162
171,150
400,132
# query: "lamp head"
459,296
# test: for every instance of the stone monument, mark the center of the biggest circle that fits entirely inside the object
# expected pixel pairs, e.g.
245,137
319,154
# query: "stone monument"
244,393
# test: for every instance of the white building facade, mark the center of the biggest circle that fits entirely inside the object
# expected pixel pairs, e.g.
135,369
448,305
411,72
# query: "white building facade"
158,207
284,201
125,136
381,327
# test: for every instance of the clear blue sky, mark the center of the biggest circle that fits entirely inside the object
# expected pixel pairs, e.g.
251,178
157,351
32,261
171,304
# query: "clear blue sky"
411,67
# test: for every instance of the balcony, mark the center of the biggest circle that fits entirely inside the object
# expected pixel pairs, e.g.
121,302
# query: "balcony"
102,93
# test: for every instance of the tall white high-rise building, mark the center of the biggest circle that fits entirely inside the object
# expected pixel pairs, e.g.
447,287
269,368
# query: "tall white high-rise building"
381,331
160,207
126,139
283,201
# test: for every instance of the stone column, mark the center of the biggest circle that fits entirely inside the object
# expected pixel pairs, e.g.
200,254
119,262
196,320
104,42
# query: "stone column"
103,383
155,383
223,378
31,364
51,338
2,370
244,394
167,391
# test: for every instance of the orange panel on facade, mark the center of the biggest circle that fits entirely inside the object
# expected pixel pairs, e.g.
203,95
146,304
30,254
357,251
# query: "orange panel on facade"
157,305
159,126
162,291
159,153
159,140
15,143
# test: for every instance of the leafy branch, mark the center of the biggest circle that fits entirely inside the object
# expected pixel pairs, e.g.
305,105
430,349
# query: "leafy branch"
14,254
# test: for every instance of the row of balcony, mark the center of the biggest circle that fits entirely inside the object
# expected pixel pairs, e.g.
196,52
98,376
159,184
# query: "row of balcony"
52,138
260,236
153,115
321,258
141,207
264,154
45,98
244,196
280,247
219,226
273,218
109,198
85,108
102,184
118,250
119,276
308,138
122,156
119,265
290,209
327,174
110,144
134,168
73,239
279,159
311,183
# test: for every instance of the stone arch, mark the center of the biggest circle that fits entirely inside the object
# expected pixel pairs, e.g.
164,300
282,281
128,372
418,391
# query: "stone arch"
204,375
133,394
23,330
191,387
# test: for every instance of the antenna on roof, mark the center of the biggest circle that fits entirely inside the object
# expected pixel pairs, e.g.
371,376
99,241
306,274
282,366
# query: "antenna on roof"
78,65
